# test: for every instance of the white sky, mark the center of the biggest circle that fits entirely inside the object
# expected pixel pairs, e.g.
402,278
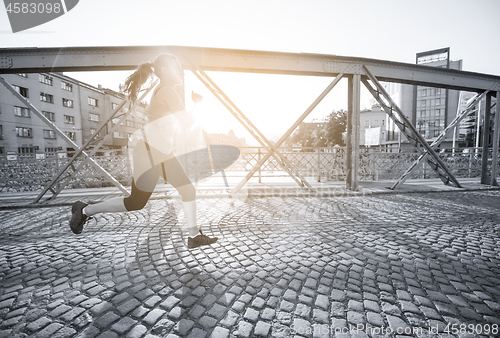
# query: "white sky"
392,30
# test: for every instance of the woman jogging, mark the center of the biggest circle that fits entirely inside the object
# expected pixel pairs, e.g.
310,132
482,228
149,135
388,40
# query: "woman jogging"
152,149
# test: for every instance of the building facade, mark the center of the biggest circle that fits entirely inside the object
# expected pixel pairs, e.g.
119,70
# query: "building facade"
435,108
226,139
76,108
373,123
429,109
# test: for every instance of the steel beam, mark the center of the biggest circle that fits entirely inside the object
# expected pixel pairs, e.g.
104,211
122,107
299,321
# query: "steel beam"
353,132
496,142
486,141
36,60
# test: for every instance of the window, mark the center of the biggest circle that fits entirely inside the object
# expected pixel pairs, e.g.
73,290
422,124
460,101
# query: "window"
67,103
383,123
114,105
49,115
438,91
23,74
130,123
438,102
21,111
118,134
25,150
48,133
140,125
66,86
93,131
21,90
423,103
375,123
69,119
23,132
46,98
424,92
71,134
367,123
93,117
45,79
50,151
92,102
436,132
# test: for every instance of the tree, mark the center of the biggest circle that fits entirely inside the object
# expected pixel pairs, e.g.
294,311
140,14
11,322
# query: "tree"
304,135
324,134
336,124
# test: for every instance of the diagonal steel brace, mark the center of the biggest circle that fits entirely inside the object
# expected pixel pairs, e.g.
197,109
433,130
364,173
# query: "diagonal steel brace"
59,132
95,148
439,139
409,130
289,132
238,114
403,125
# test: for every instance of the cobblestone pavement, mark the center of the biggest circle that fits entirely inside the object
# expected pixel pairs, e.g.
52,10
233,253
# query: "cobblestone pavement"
419,265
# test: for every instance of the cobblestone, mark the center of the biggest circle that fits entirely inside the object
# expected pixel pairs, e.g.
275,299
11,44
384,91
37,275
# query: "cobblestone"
402,260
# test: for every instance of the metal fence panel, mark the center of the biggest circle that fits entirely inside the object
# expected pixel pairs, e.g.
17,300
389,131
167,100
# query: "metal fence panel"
32,173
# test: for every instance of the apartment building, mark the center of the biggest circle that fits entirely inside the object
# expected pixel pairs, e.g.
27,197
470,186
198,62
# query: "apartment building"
76,108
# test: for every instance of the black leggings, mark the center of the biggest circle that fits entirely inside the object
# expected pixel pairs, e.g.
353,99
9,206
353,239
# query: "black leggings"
172,172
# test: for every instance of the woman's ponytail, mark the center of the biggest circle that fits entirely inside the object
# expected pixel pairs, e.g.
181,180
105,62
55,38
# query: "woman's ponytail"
137,79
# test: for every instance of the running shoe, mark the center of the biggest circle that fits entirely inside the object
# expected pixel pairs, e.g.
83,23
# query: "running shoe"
78,219
200,240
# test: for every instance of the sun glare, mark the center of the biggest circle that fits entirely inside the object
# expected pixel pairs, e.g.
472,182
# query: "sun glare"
271,102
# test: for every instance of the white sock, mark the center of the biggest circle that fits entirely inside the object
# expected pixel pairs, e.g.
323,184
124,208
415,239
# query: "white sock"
193,231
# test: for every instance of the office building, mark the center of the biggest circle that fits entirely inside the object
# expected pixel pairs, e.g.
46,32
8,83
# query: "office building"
429,109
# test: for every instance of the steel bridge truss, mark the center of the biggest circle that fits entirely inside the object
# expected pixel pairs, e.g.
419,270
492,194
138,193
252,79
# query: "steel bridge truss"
272,149
357,70
69,171
405,126
425,155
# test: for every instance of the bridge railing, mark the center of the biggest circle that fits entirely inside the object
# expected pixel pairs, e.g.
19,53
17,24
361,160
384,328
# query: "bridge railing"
375,164
32,173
